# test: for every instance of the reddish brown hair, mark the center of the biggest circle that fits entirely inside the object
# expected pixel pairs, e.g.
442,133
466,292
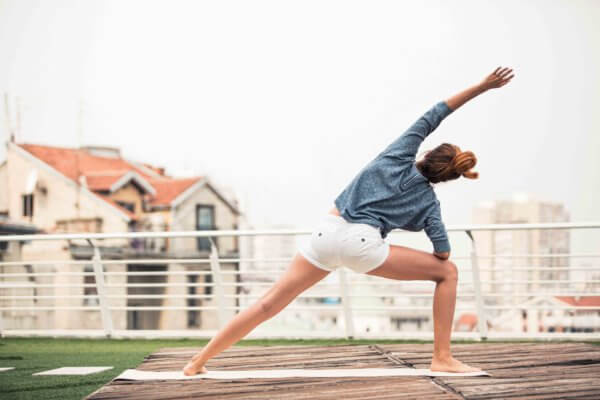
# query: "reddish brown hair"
447,162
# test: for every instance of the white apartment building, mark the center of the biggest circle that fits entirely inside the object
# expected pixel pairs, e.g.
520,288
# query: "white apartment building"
515,251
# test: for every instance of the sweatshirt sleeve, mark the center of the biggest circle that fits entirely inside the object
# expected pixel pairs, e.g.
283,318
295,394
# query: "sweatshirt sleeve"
407,144
436,230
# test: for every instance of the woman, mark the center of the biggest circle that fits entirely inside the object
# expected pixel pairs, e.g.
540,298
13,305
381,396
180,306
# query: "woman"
392,191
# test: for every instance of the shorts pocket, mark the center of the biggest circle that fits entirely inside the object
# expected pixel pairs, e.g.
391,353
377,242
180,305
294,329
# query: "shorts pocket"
323,243
359,245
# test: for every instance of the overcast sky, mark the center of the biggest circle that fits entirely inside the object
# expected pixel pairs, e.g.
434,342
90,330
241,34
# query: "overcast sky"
285,102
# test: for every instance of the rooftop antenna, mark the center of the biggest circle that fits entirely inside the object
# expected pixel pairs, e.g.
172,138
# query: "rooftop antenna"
18,127
11,135
77,151
9,130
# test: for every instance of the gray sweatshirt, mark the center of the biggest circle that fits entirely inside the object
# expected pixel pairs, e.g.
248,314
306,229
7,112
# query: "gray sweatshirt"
391,193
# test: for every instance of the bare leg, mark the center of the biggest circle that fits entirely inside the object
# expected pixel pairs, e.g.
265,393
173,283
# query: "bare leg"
299,276
404,263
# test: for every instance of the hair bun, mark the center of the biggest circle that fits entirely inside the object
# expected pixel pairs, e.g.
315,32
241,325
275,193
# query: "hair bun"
463,162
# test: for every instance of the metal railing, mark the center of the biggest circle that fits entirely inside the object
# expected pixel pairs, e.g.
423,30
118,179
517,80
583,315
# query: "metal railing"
490,317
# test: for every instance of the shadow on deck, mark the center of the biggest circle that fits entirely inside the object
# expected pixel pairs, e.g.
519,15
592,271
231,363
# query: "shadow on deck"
519,371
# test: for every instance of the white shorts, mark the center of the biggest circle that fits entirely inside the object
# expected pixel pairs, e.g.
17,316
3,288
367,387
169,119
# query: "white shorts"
336,242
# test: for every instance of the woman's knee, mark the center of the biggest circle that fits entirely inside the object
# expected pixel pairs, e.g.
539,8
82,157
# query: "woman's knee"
450,270
266,307
273,302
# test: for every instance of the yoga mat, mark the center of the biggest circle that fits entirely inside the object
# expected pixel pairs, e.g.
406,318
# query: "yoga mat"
73,371
135,375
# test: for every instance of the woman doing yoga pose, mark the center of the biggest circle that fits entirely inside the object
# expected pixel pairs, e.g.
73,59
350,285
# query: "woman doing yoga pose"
393,191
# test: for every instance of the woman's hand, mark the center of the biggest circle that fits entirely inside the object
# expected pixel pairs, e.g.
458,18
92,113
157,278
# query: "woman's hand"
498,78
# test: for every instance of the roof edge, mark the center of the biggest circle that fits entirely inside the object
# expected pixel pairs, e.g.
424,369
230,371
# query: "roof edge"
202,182
132,175
21,151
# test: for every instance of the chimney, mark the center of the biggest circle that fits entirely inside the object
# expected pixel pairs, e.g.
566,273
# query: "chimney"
102,151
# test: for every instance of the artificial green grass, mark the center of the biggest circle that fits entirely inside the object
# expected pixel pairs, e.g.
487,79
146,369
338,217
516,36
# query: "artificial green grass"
30,355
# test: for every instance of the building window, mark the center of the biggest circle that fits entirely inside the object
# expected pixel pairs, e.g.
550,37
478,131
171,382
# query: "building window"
193,316
205,220
133,319
208,289
91,291
31,278
126,205
28,205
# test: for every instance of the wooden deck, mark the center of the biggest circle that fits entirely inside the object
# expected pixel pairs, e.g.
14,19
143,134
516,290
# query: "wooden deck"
519,371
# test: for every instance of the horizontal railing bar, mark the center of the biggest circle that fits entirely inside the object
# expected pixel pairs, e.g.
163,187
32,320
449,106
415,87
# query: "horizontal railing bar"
259,272
509,268
162,261
553,255
156,308
149,261
518,282
30,285
270,232
307,308
157,234
133,273
265,333
302,296
527,226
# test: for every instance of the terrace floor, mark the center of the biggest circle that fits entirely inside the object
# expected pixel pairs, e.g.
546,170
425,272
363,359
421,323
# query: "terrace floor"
566,370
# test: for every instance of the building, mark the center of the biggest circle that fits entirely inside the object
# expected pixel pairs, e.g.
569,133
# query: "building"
583,320
95,189
523,262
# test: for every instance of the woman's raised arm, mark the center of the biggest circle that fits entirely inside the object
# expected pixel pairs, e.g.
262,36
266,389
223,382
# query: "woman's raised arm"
498,78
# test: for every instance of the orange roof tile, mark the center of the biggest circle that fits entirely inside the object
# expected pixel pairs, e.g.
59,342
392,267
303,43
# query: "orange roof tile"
101,172
581,301
102,182
468,319
168,190
71,162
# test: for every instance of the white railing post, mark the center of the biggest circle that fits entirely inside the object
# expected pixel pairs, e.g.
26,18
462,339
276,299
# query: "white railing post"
1,324
481,317
107,322
215,267
8,302
347,307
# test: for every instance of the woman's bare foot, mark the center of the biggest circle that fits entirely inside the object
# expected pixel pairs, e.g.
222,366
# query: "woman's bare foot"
450,364
193,368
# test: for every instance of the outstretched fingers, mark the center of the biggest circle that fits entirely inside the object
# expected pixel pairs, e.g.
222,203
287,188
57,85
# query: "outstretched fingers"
500,77
505,81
